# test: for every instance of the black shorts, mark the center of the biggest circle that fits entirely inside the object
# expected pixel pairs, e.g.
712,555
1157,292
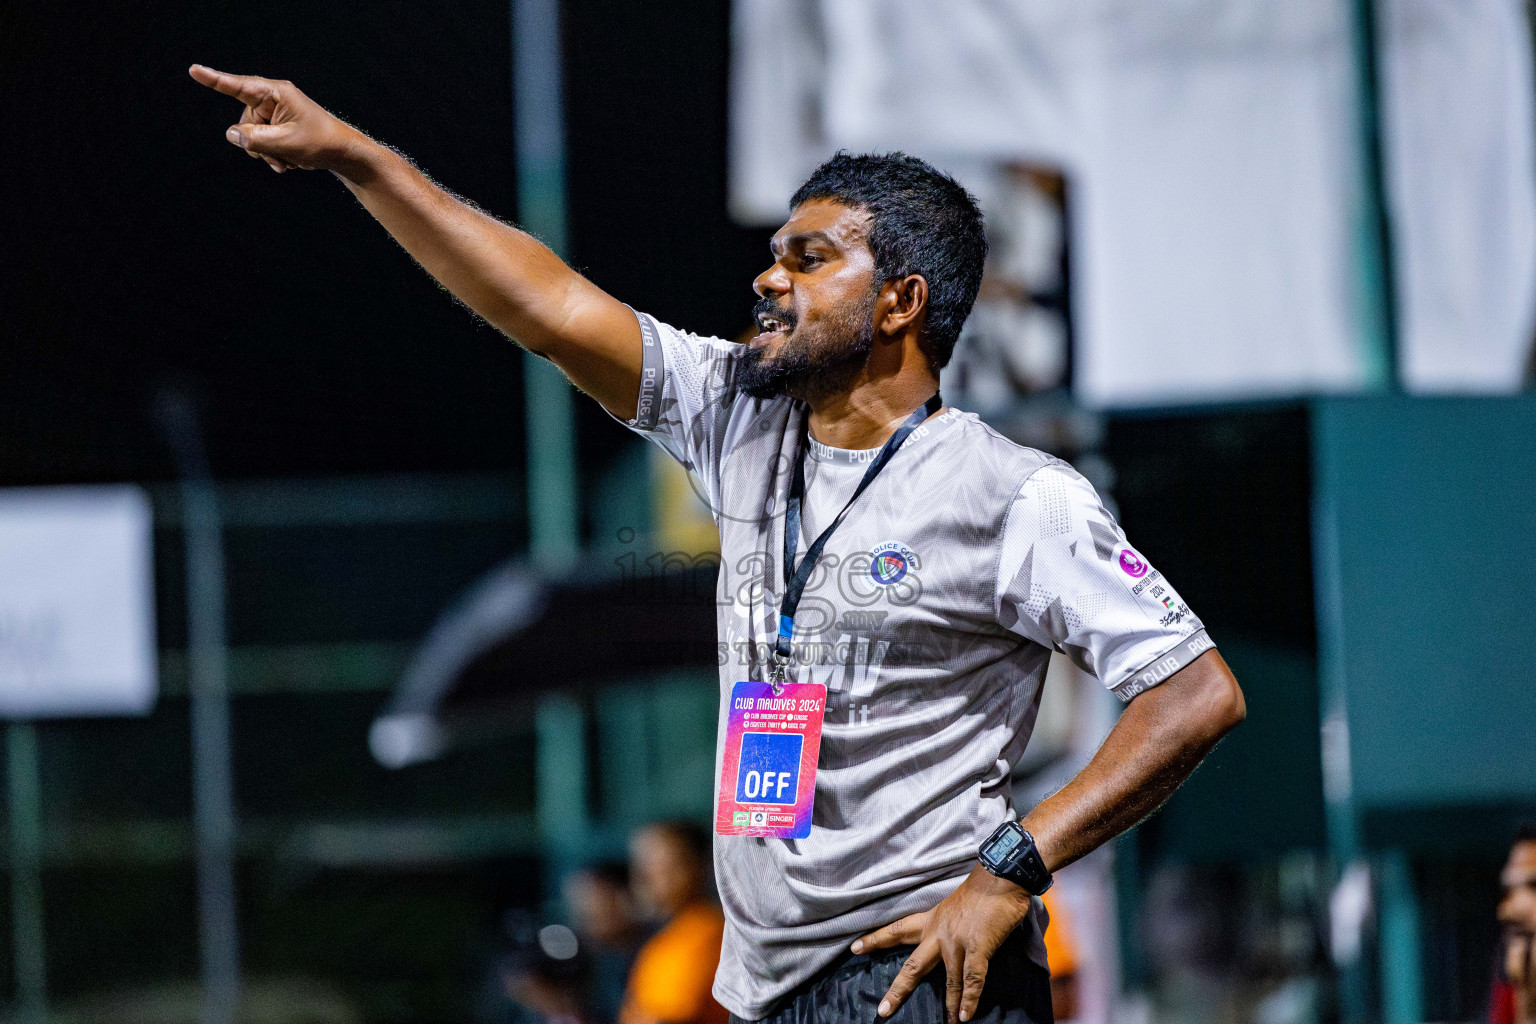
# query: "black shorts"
1018,991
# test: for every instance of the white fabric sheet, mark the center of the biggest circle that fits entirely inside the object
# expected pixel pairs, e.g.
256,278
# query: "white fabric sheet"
1462,185
1215,237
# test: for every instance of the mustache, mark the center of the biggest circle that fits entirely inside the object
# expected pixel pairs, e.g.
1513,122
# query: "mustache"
767,307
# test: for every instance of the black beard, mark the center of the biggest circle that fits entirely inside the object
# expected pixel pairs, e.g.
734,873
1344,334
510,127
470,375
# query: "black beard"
812,365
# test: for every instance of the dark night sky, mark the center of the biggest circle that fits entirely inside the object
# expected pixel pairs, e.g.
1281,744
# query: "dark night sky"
137,248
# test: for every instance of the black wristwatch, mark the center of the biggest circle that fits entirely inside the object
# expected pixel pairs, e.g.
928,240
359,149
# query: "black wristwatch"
1010,853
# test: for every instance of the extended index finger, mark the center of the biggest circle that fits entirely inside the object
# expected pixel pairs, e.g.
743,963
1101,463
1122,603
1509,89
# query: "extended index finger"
248,88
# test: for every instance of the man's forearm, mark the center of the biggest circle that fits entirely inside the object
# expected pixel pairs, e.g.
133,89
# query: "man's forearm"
506,275
502,273
1160,739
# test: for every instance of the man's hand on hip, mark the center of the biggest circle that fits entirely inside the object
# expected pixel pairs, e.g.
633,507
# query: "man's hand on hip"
962,933
283,126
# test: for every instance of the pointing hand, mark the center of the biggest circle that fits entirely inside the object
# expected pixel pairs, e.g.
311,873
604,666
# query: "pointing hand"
283,126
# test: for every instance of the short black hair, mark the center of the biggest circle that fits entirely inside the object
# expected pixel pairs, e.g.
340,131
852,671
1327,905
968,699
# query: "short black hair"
1525,833
924,222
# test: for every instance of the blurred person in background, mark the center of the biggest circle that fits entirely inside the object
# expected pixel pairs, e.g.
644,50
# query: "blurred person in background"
604,916
547,975
914,878
1514,994
672,976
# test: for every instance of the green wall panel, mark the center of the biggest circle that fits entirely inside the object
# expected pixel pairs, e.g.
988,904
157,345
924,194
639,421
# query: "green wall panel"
1426,520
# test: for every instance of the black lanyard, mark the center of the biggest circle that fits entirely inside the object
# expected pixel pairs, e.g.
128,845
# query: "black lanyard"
795,578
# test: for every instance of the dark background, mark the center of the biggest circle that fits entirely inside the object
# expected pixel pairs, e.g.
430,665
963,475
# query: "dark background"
140,249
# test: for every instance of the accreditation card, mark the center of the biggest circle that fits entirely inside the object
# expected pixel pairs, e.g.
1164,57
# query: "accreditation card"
768,776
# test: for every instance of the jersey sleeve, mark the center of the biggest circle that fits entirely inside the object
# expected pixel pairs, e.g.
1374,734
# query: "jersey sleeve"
1068,580
686,397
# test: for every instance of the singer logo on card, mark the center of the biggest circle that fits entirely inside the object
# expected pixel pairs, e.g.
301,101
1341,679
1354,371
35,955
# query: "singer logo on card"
768,773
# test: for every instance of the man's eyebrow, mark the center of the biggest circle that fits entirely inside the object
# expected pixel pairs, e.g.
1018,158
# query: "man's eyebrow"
777,245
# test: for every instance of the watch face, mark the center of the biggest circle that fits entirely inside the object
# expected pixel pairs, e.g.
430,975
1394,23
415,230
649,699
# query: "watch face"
1000,847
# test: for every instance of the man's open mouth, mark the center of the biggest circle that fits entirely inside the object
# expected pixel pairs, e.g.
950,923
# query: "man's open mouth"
770,326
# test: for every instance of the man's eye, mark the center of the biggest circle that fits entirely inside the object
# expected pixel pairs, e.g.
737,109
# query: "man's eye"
810,259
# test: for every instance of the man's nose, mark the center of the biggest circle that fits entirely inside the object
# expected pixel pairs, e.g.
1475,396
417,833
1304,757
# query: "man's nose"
772,280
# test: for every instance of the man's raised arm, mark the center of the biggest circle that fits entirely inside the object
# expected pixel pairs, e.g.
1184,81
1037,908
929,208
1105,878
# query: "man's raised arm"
505,275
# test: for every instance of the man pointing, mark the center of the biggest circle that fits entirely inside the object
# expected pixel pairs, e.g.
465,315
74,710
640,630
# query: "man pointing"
894,577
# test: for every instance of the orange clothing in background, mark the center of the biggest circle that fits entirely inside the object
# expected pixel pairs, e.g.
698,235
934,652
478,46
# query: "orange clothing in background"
1060,943
673,974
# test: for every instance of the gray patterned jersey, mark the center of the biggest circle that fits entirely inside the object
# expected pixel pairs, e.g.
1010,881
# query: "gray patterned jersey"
930,618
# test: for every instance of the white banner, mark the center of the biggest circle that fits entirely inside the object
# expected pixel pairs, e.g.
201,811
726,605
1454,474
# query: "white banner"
1461,176
77,600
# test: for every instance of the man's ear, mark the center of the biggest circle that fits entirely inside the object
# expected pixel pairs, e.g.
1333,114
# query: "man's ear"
902,303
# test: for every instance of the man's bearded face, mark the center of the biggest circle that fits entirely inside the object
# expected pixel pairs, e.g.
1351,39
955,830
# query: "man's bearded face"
816,316
819,358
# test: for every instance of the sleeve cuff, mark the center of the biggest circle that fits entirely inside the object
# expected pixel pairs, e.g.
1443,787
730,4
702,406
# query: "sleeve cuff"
1186,651
652,374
